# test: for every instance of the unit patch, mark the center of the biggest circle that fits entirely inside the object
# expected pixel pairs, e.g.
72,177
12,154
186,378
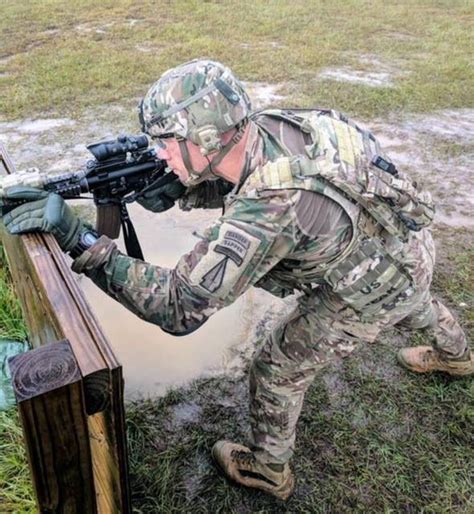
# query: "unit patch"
235,246
226,260
213,279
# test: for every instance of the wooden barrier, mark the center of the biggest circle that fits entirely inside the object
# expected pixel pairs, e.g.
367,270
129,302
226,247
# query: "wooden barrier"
69,388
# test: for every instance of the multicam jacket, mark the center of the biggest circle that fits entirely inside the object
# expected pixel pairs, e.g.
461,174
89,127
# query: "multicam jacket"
318,211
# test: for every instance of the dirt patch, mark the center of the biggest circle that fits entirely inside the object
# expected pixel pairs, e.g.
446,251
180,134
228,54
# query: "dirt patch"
373,79
457,125
38,126
369,70
93,27
401,36
414,143
51,32
263,44
186,413
338,390
145,49
133,22
45,142
6,60
104,28
262,94
194,475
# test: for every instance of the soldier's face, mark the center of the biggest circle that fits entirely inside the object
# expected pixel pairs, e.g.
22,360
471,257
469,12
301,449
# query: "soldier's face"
171,152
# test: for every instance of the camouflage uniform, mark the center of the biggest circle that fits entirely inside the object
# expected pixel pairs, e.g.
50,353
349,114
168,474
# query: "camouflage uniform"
315,218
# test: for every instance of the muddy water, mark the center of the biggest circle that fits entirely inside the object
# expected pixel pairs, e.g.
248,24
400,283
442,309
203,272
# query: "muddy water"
153,360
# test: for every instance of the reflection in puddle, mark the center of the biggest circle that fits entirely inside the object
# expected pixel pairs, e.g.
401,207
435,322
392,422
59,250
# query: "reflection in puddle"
154,361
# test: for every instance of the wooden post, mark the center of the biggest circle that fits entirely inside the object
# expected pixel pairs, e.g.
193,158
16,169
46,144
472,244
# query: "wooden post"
47,384
55,310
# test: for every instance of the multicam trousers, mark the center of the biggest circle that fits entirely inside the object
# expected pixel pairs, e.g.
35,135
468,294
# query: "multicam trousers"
323,327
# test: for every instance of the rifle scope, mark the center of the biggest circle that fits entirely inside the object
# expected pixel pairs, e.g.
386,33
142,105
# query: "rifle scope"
104,150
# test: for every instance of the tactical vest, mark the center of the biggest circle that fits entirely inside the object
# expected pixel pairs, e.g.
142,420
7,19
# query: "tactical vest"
382,204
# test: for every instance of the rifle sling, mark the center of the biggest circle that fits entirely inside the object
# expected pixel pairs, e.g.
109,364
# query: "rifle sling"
129,235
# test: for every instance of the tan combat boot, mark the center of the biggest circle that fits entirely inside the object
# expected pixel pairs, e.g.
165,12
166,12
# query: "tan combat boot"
240,464
424,359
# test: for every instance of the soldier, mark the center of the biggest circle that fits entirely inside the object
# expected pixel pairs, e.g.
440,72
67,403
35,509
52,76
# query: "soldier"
316,209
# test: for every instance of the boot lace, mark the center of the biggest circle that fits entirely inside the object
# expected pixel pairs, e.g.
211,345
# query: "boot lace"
246,460
429,357
243,456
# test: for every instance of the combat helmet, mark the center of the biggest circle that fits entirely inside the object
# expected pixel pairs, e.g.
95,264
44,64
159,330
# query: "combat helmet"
198,100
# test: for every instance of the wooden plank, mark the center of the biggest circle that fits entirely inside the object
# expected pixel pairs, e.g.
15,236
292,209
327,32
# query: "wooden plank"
55,308
5,160
47,385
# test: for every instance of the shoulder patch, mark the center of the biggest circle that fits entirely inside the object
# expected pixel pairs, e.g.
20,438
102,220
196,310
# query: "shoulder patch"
226,261
234,245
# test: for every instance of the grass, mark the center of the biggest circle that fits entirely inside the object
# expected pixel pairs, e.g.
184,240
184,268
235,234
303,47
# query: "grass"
456,281
112,52
12,325
16,494
377,445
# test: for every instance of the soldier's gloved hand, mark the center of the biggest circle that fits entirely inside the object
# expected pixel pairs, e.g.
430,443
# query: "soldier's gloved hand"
161,198
43,212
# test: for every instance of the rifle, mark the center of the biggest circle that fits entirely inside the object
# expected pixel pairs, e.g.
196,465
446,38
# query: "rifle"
122,169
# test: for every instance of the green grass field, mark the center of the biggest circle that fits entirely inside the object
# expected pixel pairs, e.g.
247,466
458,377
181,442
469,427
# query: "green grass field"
372,438
65,57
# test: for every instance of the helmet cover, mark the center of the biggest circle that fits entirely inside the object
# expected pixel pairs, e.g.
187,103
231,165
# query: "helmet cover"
195,101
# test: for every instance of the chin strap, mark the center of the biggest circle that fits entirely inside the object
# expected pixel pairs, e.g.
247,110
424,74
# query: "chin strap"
204,174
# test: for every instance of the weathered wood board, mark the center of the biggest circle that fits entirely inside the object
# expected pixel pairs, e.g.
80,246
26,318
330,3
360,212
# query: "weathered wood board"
88,407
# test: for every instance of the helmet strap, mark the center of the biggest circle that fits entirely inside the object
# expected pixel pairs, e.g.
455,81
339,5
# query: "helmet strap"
228,146
216,160
185,155
198,177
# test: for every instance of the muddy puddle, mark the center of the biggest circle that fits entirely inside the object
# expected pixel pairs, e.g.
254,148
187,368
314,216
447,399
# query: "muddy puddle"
154,361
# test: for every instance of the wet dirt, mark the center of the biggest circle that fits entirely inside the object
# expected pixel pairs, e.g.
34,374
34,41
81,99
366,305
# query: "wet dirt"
437,149
154,361
186,413
374,79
